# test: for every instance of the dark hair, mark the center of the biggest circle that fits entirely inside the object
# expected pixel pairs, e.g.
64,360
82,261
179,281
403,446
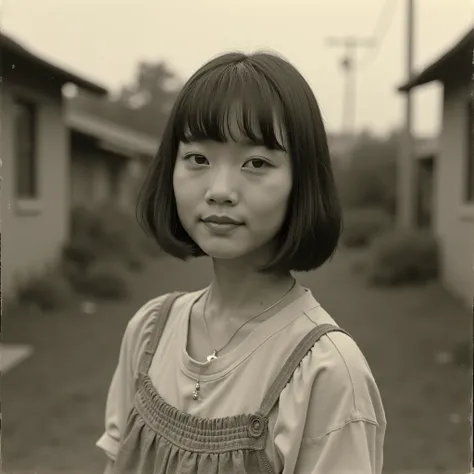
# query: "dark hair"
261,84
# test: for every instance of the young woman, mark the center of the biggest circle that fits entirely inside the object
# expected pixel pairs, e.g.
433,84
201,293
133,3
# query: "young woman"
250,374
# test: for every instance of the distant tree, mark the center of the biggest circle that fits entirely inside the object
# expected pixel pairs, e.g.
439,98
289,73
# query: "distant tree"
143,105
370,179
147,101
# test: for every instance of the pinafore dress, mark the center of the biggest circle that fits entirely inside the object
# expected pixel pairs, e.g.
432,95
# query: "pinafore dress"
160,439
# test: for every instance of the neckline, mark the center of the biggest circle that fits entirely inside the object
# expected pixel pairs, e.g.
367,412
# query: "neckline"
206,371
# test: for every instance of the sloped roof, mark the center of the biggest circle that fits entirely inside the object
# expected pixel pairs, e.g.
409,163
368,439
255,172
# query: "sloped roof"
457,58
111,134
9,45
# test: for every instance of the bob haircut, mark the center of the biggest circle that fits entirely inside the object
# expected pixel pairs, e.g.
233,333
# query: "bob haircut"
262,85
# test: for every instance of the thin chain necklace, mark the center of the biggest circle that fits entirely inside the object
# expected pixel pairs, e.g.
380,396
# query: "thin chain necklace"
215,352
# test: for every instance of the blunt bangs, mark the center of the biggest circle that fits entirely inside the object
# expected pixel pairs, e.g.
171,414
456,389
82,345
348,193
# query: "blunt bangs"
231,92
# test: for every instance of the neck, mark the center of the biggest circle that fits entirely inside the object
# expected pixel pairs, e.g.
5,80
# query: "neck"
238,289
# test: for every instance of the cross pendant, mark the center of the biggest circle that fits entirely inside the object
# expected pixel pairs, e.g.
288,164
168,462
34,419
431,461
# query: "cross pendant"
212,356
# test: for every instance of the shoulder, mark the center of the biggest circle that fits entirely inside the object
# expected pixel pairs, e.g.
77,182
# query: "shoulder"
336,382
145,316
336,352
142,323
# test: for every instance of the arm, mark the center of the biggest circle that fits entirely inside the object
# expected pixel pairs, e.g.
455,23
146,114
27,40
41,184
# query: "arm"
109,468
355,448
122,388
119,399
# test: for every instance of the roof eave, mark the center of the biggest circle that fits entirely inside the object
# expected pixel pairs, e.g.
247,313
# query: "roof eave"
64,76
437,70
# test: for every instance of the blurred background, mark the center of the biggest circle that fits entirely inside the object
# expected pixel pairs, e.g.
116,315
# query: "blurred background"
87,87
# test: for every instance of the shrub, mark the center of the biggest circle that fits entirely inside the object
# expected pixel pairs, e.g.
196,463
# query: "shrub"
106,280
118,234
362,225
402,258
369,180
81,252
108,233
85,223
150,247
135,262
48,291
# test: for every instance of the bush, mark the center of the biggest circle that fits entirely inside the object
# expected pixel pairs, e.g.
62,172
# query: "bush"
362,225
47,291
106,242
402,258
370,178
81,252
105,280
135,262
107,233
85,223
150,247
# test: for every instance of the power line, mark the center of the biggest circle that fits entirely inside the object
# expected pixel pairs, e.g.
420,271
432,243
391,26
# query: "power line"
382,26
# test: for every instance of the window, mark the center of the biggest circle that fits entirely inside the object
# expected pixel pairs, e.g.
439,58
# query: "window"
425,191
25,158
470,153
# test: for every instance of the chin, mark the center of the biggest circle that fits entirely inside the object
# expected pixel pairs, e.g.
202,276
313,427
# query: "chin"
228,248
230,251
221,253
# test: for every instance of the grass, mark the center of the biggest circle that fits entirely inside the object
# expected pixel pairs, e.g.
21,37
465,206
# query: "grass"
53,403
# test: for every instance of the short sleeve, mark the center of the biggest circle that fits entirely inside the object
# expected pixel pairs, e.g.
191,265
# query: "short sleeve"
330,416
121,390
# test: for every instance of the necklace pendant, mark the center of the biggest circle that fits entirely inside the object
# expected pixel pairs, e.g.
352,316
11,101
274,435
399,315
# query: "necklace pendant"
197,388
213,356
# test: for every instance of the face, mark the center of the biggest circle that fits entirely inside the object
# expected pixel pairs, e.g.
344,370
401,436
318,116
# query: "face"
246,183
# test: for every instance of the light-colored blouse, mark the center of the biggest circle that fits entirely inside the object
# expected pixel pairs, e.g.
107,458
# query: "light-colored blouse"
329,419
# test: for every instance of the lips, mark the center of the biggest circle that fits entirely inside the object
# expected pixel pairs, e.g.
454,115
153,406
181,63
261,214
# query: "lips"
221,229
221,220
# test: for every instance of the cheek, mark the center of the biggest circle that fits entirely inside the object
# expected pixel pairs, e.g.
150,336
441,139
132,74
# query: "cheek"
182,193
270,203
182,186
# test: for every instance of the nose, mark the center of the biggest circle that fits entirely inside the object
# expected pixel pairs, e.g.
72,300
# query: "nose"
222,189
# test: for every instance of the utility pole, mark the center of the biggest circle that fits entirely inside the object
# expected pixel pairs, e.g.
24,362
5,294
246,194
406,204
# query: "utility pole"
348,63
406,179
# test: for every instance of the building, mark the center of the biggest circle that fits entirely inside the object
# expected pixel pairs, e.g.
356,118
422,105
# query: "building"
108,160
35,196
425,152
453,166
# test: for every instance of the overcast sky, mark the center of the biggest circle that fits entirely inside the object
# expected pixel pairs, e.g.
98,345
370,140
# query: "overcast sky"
103,39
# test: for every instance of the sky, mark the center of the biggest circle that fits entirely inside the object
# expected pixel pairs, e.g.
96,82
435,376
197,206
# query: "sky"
103,39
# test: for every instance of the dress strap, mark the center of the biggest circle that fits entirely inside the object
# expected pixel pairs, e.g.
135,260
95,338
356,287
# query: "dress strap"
298,354
161,317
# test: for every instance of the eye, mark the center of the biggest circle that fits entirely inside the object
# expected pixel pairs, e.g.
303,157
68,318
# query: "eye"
199,160
259,163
